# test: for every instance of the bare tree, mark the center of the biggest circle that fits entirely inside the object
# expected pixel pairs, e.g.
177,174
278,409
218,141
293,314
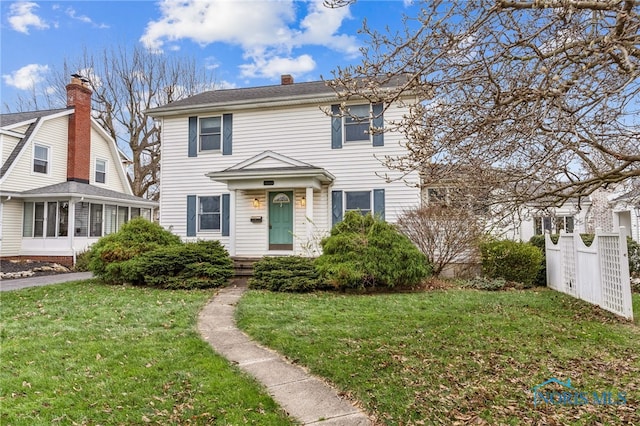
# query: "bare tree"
125,83
540,97
446,234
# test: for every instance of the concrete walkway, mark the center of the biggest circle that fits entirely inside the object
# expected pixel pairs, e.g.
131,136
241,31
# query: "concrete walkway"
304,397
19,283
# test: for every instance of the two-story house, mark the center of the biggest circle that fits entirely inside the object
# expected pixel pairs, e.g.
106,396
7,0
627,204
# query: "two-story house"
269,170
62,182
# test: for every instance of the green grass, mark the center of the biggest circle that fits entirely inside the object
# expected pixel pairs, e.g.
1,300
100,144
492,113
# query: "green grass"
450,356
86,353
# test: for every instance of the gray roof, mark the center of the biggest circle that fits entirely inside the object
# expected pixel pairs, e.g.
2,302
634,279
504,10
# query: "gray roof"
263,94
78,189
19,117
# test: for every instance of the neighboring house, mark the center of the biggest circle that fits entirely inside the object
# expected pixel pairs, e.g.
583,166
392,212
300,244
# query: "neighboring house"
62,182
625,206
269,170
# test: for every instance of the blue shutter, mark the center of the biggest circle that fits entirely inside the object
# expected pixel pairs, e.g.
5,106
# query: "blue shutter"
227,133
378,203
191,215
378,122
193,136
226,213
336,207
336,127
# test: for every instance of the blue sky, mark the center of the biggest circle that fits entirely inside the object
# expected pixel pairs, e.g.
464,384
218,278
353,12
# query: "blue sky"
245,42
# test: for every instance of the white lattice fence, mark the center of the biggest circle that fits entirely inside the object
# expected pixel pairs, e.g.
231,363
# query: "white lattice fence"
598,274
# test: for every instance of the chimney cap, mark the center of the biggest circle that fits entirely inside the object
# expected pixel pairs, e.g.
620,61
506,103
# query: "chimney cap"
82,78
286,79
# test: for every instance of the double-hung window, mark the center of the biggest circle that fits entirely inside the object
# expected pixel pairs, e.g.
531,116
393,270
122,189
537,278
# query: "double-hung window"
210,133
40,159
209,213
101,171
356,123
553,224
358,201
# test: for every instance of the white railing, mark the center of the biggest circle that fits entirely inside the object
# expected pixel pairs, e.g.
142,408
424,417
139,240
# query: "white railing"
598,274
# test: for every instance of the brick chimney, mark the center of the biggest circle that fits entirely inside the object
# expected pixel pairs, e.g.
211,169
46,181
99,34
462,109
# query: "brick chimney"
286,79
79,147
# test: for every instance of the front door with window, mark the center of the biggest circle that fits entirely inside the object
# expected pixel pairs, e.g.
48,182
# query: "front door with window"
281,220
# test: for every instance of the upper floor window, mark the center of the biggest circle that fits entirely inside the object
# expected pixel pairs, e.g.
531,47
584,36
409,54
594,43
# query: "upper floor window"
356,123
209,214
358,200
101,171
210,133
40,159
553,224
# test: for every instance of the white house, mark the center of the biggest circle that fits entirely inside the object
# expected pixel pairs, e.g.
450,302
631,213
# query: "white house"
62,182
269,170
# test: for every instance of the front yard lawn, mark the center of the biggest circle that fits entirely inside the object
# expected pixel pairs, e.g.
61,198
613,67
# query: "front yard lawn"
458,356
87,354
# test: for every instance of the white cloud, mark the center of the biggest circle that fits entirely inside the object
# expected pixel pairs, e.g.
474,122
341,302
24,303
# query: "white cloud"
245,23
71,12
274,67
267,31
22,16
26,77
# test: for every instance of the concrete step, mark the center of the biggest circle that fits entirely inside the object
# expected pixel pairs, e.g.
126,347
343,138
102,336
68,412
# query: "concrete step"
244,265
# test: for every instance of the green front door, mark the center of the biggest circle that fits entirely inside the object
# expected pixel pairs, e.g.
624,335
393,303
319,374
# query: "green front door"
281,220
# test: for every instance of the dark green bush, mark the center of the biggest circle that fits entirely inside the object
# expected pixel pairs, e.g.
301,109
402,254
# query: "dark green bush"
82,261
285,273
511,260
364,252
633,249
201,264
110,254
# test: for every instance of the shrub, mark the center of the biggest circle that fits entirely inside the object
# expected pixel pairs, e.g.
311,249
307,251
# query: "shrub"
483,283
110,253
82,261
633,249
363,251
511,260
201,264
285,273
445,234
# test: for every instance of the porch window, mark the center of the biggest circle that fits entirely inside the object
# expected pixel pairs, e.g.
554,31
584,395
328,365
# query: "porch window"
95,215
81,225
359,201
123,216
356,123
45,219
38,223
101,171
40,159
210,133
209,213
52,208
110,219
135,212
63,218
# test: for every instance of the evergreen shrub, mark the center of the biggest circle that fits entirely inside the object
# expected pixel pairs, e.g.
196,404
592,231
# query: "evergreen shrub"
110,254
511,260
285,273
200,264
365,252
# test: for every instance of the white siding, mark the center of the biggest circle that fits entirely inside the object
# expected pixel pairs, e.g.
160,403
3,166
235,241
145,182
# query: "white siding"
52,133
302,133
11,228
100,148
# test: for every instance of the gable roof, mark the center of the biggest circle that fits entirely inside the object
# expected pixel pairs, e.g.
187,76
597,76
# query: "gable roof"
20,117
274,95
